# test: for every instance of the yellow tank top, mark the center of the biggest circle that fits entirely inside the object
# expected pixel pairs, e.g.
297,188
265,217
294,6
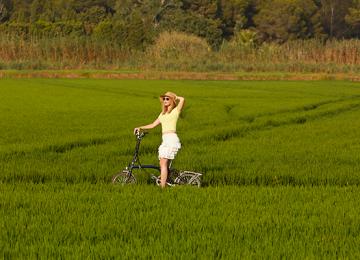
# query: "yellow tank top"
168,121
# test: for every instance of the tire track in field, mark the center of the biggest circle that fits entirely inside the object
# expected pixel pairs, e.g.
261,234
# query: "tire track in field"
59,148
307,107
66,147
225,134
97,88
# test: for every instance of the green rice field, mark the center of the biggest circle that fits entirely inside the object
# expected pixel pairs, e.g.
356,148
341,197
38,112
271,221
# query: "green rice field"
280,163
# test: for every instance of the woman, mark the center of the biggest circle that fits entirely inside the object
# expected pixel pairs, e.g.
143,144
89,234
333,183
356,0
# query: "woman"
170,142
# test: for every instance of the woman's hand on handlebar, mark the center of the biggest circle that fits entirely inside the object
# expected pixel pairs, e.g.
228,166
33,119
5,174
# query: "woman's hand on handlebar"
136,130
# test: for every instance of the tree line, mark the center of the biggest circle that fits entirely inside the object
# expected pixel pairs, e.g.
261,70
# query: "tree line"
134,24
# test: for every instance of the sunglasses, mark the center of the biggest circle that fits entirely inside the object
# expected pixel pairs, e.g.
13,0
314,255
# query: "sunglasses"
166,98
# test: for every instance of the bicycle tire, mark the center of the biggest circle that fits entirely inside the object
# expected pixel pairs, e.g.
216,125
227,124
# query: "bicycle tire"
124,177
192,179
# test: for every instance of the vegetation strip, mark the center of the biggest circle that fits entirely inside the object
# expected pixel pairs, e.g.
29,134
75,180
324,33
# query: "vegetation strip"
309,36
158,75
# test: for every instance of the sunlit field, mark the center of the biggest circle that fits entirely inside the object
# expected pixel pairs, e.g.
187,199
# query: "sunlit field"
280,164
266,133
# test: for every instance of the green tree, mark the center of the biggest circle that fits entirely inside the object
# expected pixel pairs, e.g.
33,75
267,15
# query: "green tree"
207,8
150,10
135,32
93,15
332,15
36,9
103,30
233,16
353,18
21,11
282,20
139,21
199,17
5,10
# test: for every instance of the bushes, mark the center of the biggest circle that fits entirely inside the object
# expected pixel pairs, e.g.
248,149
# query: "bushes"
104,30
175,50
43,28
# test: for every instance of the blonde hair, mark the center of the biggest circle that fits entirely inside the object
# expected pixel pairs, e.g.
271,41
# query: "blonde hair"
169,108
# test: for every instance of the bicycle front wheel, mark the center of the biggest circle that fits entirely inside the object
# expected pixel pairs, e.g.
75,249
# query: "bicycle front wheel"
192,179
124,177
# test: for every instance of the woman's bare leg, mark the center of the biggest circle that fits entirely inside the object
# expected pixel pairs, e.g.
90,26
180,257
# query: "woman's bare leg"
164,171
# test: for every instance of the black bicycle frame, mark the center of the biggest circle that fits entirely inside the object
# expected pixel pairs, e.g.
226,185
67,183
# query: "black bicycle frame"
132,165
135,159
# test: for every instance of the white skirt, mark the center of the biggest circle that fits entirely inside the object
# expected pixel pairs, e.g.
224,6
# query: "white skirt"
170,146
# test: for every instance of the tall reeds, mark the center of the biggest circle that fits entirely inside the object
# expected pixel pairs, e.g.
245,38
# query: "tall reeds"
178,51
20,52
302,56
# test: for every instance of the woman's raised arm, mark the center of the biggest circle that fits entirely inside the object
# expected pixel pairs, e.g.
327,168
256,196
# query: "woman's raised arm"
181,102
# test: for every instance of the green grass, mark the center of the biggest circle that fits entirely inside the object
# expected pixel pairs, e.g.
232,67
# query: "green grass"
280,163
299,133
104,221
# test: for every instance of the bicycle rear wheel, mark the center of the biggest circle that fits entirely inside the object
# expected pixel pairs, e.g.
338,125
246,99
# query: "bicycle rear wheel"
124,177
188,178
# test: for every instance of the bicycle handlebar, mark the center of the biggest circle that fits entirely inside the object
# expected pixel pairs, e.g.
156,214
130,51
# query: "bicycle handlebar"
140,134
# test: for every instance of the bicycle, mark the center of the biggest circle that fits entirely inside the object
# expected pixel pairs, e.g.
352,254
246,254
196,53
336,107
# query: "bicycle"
175,177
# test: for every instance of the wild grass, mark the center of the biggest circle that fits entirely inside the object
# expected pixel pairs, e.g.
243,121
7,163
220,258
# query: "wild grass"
179,52
21,53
